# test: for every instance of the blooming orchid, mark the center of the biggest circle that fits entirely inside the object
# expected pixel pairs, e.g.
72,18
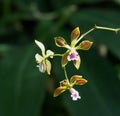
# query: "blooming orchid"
44,64
66,85
71,54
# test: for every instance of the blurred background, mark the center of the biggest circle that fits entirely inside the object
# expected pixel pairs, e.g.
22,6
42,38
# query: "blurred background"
24,91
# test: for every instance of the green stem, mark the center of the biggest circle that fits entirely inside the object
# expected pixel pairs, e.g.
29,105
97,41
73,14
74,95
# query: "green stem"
83,35
107,28
66,75
58,55
54,55
98,27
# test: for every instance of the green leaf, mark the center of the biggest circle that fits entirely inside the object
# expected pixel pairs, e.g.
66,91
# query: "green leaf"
22,85
58,4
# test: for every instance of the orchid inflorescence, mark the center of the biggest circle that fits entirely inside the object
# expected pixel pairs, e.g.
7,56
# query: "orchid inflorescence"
71,54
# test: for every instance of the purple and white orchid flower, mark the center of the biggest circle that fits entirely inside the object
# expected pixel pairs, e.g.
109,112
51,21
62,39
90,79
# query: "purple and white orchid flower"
44,64
71,54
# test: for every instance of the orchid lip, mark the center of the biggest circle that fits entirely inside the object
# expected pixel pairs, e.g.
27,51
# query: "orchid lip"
73,56
74,94
42,67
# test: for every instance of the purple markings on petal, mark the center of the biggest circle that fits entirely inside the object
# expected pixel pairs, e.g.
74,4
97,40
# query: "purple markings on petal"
42,67
73,56
74,94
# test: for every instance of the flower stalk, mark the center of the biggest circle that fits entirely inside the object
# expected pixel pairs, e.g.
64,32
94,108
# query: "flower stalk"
71,54
99,28
107,28
65,72
83,35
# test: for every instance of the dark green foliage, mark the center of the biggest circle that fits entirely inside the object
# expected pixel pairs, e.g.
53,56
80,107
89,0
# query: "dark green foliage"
24,91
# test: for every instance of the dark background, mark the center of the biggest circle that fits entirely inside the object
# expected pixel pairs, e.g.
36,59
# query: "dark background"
24,91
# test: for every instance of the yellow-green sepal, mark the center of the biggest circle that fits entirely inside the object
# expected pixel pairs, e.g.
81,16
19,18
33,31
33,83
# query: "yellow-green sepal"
75,78
84,45
81,81
78,80
60,42
59,90
64,59
74,36
48,66
77,62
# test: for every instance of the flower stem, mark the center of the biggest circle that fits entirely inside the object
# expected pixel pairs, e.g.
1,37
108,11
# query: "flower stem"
54,55
58,55
98,27
107,28
66,75
83,35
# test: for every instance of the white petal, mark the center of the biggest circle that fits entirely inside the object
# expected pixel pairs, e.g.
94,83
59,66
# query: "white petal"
49,53
74,94
38,58
41,46
42,67
48,66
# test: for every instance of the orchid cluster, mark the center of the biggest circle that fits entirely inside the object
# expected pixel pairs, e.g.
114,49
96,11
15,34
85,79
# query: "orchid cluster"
71,54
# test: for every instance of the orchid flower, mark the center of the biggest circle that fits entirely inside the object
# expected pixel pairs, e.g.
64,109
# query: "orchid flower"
44,64
71,54
65,85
